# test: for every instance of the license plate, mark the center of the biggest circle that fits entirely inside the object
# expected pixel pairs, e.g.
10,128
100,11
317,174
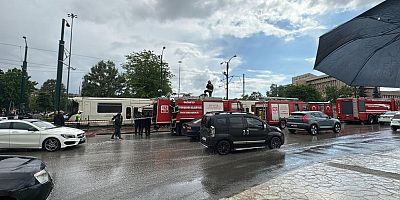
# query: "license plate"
204,138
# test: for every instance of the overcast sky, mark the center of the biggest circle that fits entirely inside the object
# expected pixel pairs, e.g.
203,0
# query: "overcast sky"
273,39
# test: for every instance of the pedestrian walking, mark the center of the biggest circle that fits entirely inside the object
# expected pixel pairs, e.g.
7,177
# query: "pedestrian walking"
117,126
78,119
142,125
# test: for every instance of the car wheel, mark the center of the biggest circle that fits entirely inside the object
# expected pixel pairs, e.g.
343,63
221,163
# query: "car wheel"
337,128
51,144
371,119
394,128
313,130
275,143
282,124
223,147
292,131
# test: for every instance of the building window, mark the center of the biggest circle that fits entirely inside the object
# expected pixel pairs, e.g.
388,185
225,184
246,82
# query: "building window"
109,107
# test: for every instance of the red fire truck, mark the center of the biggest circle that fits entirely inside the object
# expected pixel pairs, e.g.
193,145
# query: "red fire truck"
190,109
324,107
276,110
363,109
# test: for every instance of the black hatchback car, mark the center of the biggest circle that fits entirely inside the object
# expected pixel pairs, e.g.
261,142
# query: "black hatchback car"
225,132
24,178
313,122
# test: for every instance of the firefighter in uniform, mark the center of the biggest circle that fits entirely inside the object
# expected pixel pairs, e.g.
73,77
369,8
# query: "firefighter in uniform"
174,112
209,89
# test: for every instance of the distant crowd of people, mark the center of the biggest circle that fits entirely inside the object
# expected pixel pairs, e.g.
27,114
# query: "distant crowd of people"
142,123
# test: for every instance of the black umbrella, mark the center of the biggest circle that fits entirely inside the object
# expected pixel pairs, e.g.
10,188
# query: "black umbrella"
364,51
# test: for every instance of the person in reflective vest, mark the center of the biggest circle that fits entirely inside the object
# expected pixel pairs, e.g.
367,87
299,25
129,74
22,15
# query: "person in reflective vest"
78,119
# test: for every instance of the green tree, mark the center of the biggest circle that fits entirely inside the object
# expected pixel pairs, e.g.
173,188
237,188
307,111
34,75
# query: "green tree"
46,95
361,91
253,96
276,91
10,88
143,75
44,101
103,80
302,92
332,93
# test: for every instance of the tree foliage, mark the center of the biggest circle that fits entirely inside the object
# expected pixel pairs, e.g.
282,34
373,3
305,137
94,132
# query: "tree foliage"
332,93
10,88
103,80
302,92
276,91
46,96
361,91
253,96
143,75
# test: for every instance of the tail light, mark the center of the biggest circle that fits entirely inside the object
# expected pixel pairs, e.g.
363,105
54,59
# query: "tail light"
305,118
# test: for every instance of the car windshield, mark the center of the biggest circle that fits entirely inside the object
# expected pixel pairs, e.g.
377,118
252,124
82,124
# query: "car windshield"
397,116
44,125
390,113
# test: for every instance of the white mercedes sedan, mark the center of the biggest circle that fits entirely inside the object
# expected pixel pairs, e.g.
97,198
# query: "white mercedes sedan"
38,134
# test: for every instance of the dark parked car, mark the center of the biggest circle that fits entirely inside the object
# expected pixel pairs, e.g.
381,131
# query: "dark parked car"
313,122
225,132
192,129
24,178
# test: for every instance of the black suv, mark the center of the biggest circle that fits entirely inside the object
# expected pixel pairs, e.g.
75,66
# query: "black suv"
313,122
224,132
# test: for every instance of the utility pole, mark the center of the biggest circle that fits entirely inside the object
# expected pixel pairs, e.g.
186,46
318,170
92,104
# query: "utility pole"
161,71
179,80
227,75
23,79
243,86
72,15
60,67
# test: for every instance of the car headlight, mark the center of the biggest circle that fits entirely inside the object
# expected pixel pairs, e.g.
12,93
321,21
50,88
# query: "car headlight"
67,136
42,177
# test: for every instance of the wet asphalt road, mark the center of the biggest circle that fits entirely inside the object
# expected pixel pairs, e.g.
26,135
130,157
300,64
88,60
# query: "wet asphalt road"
171,167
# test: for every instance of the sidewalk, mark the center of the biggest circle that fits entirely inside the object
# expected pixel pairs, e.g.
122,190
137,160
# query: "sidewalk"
360,176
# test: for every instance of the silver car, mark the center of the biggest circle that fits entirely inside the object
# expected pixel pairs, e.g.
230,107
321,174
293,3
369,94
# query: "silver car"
386,117
313,122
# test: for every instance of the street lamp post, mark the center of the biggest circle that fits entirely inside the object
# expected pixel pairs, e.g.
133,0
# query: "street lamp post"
72,15
179,80
23,79
227,75
60,66
161,71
